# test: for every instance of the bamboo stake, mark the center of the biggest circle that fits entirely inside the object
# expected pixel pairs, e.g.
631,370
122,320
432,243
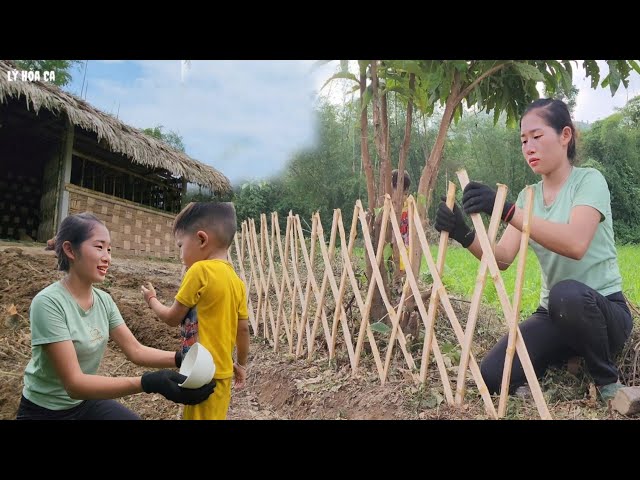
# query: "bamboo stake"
476,299
328,279
375,259
517,297
346,260
430,317
521,348
286,256
271,276
263,281
451,314
254,276
310,277
314,285
304,297
243,277
284,264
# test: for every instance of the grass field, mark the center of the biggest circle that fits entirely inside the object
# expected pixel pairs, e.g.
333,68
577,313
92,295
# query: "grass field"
461,270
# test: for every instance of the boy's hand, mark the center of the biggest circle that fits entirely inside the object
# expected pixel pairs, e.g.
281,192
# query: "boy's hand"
148,292
239,376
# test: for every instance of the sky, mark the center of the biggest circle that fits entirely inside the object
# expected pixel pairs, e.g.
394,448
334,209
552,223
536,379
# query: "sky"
247,118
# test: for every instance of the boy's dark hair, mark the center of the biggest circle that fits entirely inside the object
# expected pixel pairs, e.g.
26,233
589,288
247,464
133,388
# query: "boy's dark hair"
218,219
74,229
394,180
556,114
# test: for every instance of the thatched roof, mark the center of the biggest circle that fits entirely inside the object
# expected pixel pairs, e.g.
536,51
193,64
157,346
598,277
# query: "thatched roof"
117,136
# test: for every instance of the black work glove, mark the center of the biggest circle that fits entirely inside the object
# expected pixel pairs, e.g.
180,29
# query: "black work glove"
454,223
480,198
178,358
165,382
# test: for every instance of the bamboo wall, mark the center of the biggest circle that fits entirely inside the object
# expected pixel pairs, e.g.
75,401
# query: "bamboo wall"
19,206
50,198
134,229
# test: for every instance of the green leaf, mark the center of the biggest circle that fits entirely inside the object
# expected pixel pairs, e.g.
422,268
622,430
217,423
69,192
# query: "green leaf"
380,327
387,253
635,65
593,71
529,71
345,75
614,78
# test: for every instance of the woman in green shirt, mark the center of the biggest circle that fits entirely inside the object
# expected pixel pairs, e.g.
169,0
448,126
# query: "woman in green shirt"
582,310
71,322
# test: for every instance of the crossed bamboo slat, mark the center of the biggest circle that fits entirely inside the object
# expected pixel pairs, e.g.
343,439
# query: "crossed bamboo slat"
301,302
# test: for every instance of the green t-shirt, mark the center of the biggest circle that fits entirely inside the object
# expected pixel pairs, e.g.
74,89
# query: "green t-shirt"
598,268
55,317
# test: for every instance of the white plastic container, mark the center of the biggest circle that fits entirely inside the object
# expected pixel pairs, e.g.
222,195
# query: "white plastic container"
197,366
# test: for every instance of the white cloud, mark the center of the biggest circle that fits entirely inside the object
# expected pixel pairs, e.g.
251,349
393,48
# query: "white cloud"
596,104
245,118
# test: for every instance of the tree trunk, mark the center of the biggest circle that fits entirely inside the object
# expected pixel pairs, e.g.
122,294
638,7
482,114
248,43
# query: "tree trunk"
430,171
398,194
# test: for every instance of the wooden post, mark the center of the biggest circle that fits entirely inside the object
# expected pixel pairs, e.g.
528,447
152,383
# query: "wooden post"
476,298
65,173
517,297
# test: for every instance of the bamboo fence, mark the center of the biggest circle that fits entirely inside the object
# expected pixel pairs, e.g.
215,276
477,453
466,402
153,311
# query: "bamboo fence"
307,296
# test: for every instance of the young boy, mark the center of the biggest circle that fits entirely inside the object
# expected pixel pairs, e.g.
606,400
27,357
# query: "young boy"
211,304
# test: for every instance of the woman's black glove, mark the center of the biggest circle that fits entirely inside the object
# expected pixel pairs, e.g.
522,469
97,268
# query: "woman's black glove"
165,382
480,198
454,223
178,358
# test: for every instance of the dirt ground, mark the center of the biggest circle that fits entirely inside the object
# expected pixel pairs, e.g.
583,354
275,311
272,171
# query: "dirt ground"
279,386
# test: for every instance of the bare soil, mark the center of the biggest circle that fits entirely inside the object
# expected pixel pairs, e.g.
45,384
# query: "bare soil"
279,386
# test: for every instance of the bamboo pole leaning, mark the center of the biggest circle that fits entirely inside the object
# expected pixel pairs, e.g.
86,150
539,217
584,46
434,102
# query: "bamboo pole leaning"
517,300
507,309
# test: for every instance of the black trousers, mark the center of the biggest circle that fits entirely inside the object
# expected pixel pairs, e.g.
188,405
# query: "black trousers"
87,410
579,322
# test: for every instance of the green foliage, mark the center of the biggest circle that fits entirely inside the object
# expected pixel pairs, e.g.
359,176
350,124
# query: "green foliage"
461,270
62,68
171,138
253,199
614,148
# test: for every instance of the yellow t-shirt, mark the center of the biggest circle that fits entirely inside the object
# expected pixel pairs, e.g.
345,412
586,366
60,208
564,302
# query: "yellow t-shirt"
217,299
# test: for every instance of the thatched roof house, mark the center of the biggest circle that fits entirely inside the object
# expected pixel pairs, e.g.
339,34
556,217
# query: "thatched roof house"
60,155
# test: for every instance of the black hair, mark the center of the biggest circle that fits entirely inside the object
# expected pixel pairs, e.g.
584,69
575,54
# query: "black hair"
394,180
218,219
74,229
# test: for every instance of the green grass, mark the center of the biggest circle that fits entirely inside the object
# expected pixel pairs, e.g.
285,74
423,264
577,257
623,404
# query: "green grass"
461,270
